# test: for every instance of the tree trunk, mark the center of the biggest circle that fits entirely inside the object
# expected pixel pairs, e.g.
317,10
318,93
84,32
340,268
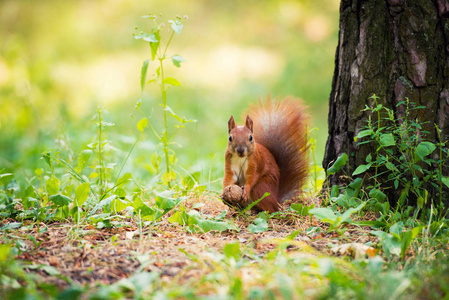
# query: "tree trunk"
395,49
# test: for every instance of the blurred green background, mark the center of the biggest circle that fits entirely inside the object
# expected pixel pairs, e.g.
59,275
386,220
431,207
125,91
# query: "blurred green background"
59,60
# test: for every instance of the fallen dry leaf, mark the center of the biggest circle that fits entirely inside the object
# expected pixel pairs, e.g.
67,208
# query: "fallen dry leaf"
54,261
130,234
357,250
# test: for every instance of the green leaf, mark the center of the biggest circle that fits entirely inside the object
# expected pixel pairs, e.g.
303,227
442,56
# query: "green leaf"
143,74
370,223
369,158
390,244
52,185
124,179
396,184
149,16
260,225
301,209
168,177
81,193
102,203
345,218
386,208
121,193
176,25
155,45
5,178
142,124
338,164
353,188
178,217
232,250
177,60
48,269
397,229
198,224
4,252
143,210
324,214
335,191
423,149
374,97
209,225
407,239
173,114
12,225
390,166
360,169
150,38
60,200
166,202
420,202
120,204
138,104
72,293
445,180
404,193
387,140
140,35
47,158
138,282
377,194
364,133
172,81
418,168
83,159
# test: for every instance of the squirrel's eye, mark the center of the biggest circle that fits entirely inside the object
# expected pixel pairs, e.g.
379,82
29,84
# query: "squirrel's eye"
230,138
250,138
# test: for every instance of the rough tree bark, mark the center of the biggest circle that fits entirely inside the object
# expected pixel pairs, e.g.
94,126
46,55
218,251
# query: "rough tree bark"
395,49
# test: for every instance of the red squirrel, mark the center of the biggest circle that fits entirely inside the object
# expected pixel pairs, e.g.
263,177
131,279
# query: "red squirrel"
268,154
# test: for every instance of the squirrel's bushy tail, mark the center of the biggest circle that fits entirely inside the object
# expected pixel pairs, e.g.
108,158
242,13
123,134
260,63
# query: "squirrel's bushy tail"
281,126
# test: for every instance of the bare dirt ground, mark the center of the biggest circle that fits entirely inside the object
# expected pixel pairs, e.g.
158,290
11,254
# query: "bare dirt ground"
89,255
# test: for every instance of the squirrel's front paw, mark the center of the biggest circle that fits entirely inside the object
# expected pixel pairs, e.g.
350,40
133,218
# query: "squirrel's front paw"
225,193
245,194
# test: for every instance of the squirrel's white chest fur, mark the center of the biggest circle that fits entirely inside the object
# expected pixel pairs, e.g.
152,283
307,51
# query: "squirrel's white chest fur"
239,166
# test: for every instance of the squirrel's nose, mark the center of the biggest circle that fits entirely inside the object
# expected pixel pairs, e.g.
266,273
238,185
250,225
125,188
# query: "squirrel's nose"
240,150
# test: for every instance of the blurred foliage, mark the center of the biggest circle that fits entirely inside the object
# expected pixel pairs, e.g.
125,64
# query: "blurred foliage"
59,60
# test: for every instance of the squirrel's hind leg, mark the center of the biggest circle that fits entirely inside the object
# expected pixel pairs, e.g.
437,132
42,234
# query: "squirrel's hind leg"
269,203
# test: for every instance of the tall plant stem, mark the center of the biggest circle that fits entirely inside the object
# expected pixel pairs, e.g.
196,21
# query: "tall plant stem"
164,105
440,164
378,129
100,150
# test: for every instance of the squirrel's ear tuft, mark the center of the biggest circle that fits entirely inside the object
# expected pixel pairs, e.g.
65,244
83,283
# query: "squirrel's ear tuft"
231,124
249,123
